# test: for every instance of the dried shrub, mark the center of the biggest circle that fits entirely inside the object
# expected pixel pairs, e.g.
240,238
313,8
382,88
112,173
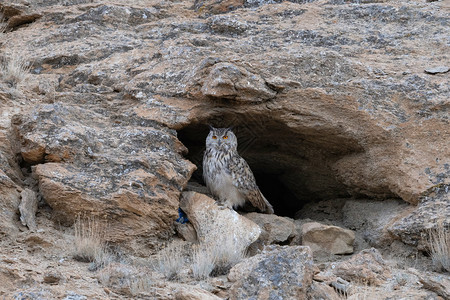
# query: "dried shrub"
171,260
439,243
3,24
203,262
217,259
13,69
227,254
90,245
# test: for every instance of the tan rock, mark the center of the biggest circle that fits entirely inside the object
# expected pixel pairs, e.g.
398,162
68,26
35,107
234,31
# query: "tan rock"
274,229
217,7
367,266
226,80
28,208
331,239
112,174
214,224
319,290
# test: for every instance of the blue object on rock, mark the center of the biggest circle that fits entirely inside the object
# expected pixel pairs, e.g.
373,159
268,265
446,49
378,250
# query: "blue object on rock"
182,217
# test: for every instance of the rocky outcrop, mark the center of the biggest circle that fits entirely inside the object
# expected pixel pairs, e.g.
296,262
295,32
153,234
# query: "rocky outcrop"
329,99
87,164
336,98
372,219
283,272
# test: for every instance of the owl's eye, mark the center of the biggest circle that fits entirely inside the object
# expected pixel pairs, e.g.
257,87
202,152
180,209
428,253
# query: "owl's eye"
214,137
225,137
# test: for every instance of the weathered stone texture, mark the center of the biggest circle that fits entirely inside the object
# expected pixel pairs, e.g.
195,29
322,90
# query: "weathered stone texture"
217,226
87,163
330,239
279,272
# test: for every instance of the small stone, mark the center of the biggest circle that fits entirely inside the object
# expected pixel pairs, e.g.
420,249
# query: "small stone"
275,229
52,277
437,70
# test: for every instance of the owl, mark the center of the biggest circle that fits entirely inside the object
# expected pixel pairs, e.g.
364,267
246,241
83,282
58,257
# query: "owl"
227,175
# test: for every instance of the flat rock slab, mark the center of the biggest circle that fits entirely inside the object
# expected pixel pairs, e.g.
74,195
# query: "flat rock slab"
275,229
437,70
331,239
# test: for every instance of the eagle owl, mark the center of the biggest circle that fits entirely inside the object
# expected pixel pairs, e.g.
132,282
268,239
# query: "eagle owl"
227,175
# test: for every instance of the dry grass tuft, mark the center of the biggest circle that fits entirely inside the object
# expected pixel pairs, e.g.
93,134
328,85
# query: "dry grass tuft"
90,245
203,262
227,254
217,259
171,260
439,243
14,69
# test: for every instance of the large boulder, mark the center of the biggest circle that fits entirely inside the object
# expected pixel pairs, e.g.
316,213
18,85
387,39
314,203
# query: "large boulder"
217,226
278,272
126,171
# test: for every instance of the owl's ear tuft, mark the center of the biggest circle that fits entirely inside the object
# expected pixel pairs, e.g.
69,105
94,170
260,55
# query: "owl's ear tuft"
230,128
210,127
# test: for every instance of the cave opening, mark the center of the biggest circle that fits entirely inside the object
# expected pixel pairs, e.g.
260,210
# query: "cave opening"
292,167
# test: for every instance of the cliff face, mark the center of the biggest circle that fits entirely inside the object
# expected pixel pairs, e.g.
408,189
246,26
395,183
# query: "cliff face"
329,99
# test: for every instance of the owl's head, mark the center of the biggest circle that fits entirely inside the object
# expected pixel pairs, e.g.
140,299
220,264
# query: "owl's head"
221,139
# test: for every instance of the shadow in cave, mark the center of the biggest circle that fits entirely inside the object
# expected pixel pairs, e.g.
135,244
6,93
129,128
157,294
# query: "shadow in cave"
291,168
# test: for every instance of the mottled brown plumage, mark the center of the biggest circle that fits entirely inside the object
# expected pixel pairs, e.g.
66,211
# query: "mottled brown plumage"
227,175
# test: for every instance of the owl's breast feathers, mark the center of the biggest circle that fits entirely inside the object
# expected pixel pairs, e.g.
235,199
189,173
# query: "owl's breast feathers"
216,162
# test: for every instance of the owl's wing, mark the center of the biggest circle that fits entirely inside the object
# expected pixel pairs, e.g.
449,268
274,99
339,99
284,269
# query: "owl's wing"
244,180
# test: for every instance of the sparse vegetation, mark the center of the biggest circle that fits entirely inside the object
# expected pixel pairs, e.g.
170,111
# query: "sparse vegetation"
217,259
227,254
439,243
90,245
171,260
2,24
203,262
13,69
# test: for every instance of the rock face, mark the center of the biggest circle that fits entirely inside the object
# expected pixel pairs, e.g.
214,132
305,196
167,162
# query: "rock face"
340,103
372,218
330,100
330,239
85,163
279,272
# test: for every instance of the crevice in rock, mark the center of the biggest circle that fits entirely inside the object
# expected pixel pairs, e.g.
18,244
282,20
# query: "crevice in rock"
292,167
